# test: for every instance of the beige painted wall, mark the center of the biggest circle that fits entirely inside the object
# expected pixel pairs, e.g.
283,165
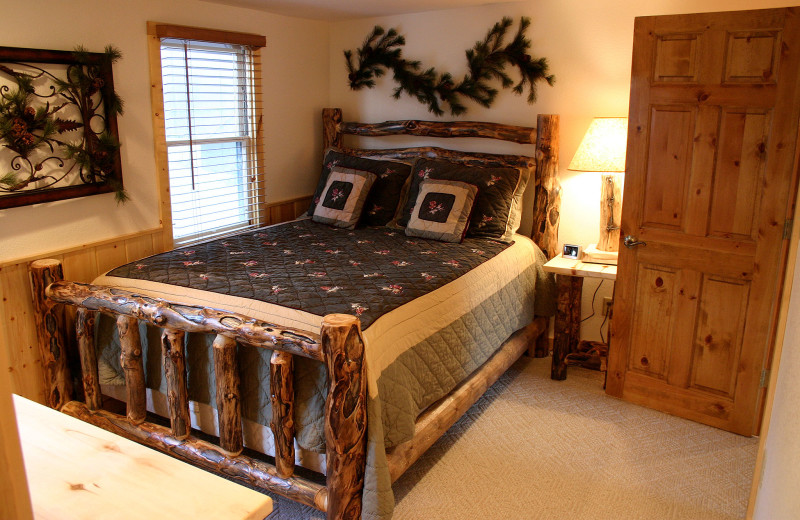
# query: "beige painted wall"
295,79
588,45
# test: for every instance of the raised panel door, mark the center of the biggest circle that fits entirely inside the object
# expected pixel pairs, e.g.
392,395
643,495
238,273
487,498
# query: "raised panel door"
710,180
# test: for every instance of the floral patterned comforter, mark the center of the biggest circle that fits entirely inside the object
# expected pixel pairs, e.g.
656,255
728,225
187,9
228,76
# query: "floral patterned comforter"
317,268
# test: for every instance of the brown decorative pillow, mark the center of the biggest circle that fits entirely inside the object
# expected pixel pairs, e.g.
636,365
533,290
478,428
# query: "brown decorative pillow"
343,197
442,210
496,188
384,196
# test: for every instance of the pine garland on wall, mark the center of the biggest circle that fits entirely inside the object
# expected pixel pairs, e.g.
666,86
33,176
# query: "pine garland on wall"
486,61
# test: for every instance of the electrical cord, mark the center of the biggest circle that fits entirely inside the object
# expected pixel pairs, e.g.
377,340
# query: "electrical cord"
605,319
593,298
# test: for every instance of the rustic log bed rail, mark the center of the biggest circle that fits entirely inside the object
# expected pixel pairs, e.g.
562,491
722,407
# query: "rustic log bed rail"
339,345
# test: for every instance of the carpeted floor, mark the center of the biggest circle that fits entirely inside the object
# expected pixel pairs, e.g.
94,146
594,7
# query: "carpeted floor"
533,448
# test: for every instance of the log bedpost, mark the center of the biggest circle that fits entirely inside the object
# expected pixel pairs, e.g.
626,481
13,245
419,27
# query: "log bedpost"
50,329
281,384
547,204
229,408
131,361
175,374
540,346
345,414
331,136
84,325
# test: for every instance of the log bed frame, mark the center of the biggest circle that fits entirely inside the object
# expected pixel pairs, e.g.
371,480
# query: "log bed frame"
339,345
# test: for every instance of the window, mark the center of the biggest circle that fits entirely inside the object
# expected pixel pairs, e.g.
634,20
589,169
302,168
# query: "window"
211,139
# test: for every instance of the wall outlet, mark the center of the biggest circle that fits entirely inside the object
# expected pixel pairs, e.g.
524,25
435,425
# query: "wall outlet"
607,304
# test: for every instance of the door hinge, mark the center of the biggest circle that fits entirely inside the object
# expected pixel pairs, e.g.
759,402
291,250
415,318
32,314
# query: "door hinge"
764,378
787,228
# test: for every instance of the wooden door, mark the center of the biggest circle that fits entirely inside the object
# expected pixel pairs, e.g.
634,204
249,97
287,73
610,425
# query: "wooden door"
709,184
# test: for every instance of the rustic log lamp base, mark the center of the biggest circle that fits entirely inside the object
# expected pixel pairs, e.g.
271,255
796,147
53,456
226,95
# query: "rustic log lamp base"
594,354
610,213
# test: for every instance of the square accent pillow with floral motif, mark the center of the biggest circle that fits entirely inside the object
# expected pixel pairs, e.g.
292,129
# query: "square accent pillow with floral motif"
492,215
343,197
442,210
385,194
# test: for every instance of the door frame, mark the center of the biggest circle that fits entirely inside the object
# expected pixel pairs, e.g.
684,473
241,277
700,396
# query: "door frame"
774,360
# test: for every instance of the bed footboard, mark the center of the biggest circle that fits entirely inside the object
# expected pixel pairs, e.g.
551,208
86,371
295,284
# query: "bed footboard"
339,345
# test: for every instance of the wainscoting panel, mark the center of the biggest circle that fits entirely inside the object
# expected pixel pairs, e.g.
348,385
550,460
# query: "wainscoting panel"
81,264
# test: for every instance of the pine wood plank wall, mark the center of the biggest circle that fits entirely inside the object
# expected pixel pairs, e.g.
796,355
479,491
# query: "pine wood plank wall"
81,264
14,499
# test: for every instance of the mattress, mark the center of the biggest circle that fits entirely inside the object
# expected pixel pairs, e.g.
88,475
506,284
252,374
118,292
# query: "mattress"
416,352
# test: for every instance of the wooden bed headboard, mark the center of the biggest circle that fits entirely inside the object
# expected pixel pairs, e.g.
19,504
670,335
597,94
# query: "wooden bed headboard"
547,199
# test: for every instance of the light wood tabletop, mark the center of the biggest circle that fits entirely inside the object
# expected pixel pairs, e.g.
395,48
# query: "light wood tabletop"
573,267
78,471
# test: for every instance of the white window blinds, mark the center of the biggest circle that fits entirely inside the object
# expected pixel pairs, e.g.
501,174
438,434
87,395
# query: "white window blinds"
210,126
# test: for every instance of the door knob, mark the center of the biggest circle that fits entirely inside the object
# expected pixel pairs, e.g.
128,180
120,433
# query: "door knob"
630,242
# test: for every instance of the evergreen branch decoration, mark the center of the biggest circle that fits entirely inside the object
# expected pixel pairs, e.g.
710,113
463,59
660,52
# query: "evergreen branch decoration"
487,61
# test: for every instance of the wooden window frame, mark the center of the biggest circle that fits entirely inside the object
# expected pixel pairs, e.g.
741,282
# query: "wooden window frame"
155,32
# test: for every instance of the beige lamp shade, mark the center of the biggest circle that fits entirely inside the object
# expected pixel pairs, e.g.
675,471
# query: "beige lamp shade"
603,146
603,150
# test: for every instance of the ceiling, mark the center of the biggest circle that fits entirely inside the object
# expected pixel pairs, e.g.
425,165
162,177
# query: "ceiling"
334,10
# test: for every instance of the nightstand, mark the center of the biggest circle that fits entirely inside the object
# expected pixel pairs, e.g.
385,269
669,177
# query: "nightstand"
569,279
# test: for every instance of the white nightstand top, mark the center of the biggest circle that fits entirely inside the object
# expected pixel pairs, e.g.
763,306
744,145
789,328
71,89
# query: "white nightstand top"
572,267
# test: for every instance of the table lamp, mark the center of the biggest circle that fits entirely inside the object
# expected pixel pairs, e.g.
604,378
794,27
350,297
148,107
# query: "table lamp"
603,150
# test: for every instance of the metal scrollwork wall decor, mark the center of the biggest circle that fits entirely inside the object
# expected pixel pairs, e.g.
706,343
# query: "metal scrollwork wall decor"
58,126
